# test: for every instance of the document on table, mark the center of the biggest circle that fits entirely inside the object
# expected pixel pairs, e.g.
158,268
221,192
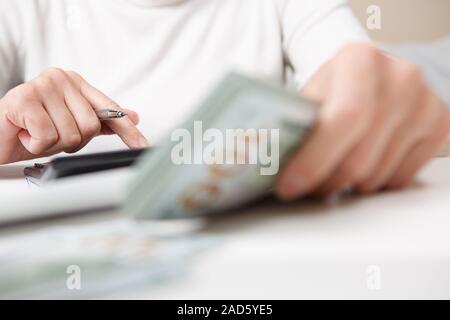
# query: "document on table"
22,201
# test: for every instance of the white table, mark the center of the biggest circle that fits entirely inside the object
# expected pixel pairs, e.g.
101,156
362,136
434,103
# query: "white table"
391,245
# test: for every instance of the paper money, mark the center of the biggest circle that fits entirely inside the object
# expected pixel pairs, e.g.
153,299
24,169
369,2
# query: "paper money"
260,123
90,261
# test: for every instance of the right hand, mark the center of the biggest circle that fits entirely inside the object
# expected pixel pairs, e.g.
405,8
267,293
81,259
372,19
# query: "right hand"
55,112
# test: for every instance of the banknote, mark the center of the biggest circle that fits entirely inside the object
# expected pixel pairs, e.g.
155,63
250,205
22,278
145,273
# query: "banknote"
226,154
91,261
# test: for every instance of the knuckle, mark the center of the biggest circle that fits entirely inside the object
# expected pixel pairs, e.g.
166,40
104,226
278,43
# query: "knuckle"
15,109
43,143
347,114
409,73
25,94
364,54
48,135
48,140
369,54
410,88
351,114
91,128
43,84
72,141
74,76
51,138
56,74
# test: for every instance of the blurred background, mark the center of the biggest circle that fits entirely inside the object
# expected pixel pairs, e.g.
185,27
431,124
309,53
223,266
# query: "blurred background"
407,20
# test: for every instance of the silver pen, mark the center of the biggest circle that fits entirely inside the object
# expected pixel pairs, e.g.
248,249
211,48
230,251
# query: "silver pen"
108,114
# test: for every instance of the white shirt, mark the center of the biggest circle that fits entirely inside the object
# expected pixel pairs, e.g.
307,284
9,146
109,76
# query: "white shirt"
160,57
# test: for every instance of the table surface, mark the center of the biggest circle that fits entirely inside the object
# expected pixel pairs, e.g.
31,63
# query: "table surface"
390,245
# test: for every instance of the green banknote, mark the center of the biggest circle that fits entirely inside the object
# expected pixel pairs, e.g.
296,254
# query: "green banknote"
226,154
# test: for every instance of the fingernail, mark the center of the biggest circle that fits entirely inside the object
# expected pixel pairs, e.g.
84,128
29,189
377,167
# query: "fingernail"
291,188
143,143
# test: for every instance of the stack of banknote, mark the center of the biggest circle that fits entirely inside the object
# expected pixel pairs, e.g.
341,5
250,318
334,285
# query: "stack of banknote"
94,260
228,153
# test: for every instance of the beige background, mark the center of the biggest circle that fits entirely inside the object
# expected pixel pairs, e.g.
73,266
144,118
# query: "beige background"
408,20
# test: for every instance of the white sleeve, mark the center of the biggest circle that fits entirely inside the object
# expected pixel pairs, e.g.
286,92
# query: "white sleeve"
10,39
314,31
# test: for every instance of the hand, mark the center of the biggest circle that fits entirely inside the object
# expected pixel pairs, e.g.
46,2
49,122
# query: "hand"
55,112
379,125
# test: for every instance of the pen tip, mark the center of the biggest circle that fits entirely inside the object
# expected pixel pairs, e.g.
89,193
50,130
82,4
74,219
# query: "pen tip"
121,114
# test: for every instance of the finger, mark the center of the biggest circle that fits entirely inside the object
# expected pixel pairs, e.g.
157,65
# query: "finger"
338,181
87,121
421,154
415,129
37,132
401,90
344,120
54,103
134,117
124,127
23,112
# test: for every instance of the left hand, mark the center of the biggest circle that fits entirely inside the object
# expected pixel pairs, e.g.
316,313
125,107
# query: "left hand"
379,125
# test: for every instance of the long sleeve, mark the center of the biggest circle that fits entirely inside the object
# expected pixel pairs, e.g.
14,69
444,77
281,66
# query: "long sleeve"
10,40
314,31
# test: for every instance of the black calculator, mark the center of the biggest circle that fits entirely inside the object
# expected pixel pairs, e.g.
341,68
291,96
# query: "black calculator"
63,167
